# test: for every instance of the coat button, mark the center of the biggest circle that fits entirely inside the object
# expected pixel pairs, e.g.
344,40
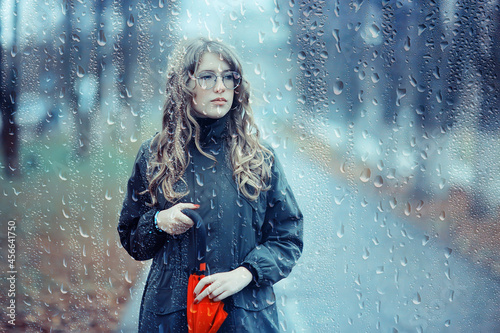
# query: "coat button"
162,309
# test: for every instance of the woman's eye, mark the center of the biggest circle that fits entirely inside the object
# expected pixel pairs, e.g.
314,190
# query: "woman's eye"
207,77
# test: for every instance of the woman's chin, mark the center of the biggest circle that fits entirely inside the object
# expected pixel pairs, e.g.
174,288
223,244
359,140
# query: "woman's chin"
213,112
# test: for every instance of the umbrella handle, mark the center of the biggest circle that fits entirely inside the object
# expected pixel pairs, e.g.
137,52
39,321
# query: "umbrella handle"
200,238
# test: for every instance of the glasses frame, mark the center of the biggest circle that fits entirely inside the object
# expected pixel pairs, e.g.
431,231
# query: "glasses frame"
221,76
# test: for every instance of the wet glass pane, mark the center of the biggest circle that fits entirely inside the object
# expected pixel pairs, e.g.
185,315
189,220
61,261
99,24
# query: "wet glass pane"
384,115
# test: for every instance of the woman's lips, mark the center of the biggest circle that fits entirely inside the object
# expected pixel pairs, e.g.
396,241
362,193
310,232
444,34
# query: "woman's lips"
219,101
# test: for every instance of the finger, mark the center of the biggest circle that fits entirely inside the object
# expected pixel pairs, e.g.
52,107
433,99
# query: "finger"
187,205
202,295
201,284
216,291
222,296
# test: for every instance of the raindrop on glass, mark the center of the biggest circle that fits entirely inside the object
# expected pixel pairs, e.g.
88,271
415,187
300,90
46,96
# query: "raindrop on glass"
365,175
338,86
407,44
130,21
417,299
80,72
101,39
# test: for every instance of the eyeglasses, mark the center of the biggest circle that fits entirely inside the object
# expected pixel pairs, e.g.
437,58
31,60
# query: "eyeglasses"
207,79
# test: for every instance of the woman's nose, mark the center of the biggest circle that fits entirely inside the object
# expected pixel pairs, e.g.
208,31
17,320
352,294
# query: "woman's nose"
219,85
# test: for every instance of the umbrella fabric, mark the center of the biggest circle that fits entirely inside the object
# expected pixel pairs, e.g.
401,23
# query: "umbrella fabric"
207,316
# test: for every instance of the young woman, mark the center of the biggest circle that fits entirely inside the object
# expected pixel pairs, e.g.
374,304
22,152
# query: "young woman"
209,158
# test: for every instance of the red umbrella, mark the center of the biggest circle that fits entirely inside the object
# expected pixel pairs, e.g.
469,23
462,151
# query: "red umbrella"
207,316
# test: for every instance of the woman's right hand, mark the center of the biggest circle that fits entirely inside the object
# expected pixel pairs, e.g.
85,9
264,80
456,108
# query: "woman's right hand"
173,221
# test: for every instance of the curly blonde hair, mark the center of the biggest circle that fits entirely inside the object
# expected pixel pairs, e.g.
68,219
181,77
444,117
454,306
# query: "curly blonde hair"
250,160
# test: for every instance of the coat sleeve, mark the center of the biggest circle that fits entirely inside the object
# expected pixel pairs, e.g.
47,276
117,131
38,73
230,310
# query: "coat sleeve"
136,228
282,232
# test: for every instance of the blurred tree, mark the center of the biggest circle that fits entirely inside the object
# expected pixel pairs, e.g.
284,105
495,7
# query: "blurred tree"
8,95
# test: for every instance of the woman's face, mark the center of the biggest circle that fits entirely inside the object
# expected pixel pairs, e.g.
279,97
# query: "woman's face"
215,102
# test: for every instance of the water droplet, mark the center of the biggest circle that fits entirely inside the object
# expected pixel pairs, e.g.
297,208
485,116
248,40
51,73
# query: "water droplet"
358,280
338,86
400,93
393,202
447,252
62,177
80,72
257,69
133,137
407,44
366,253
408,209
404,261
374,30
262,36
417,299
343,167
379,181
340,232
276,25
436,73
63,291
421,28
13,51
338,199
101,39
127,278
360,96
365,175
108,196
444,45
199,179
84,235
130,21
289,85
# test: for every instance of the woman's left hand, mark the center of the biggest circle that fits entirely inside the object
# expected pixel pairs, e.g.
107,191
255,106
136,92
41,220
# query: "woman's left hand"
222,285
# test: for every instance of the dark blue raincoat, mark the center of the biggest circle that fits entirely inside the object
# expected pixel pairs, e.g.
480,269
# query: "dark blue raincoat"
265,234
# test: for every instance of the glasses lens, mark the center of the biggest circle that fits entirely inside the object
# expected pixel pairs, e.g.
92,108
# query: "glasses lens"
231,80
206,80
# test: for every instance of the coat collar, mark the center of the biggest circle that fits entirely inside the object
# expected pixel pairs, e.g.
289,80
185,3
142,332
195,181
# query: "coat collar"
212,130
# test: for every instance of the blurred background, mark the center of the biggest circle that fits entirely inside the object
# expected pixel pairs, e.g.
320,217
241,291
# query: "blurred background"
385,115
